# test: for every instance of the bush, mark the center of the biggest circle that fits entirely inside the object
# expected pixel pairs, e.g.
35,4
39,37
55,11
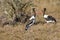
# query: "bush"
15,11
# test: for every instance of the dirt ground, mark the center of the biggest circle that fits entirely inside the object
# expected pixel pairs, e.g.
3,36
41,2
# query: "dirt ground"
40,31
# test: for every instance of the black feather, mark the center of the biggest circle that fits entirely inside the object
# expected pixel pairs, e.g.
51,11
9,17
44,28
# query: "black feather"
30,22
50,18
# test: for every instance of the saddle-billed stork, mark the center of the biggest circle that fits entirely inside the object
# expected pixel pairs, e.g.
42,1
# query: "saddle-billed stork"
31,19
48,18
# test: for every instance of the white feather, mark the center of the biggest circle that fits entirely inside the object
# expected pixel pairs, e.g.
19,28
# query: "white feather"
32,17
45,16
50,21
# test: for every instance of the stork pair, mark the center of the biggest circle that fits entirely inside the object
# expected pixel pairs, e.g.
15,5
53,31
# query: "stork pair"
48,18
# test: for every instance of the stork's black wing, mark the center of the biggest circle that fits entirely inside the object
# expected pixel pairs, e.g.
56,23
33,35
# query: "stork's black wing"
51,18
27,26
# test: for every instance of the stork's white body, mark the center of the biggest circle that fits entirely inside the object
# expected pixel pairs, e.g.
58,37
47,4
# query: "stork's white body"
48,21
32,19
45,16
31,22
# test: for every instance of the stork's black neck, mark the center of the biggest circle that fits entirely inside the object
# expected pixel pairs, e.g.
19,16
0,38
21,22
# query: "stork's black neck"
44,11
34,12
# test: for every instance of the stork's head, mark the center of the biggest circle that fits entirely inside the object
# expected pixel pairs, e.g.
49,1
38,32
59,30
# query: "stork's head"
33,9
44,9
34,12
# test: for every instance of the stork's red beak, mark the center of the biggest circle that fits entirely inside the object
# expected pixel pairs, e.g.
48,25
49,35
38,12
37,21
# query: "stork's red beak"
39,12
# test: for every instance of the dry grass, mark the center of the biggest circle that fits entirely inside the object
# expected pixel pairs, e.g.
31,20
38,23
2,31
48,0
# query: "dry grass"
39,31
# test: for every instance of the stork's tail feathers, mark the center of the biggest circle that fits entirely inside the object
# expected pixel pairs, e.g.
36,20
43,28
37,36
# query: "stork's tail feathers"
55,21
27,26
